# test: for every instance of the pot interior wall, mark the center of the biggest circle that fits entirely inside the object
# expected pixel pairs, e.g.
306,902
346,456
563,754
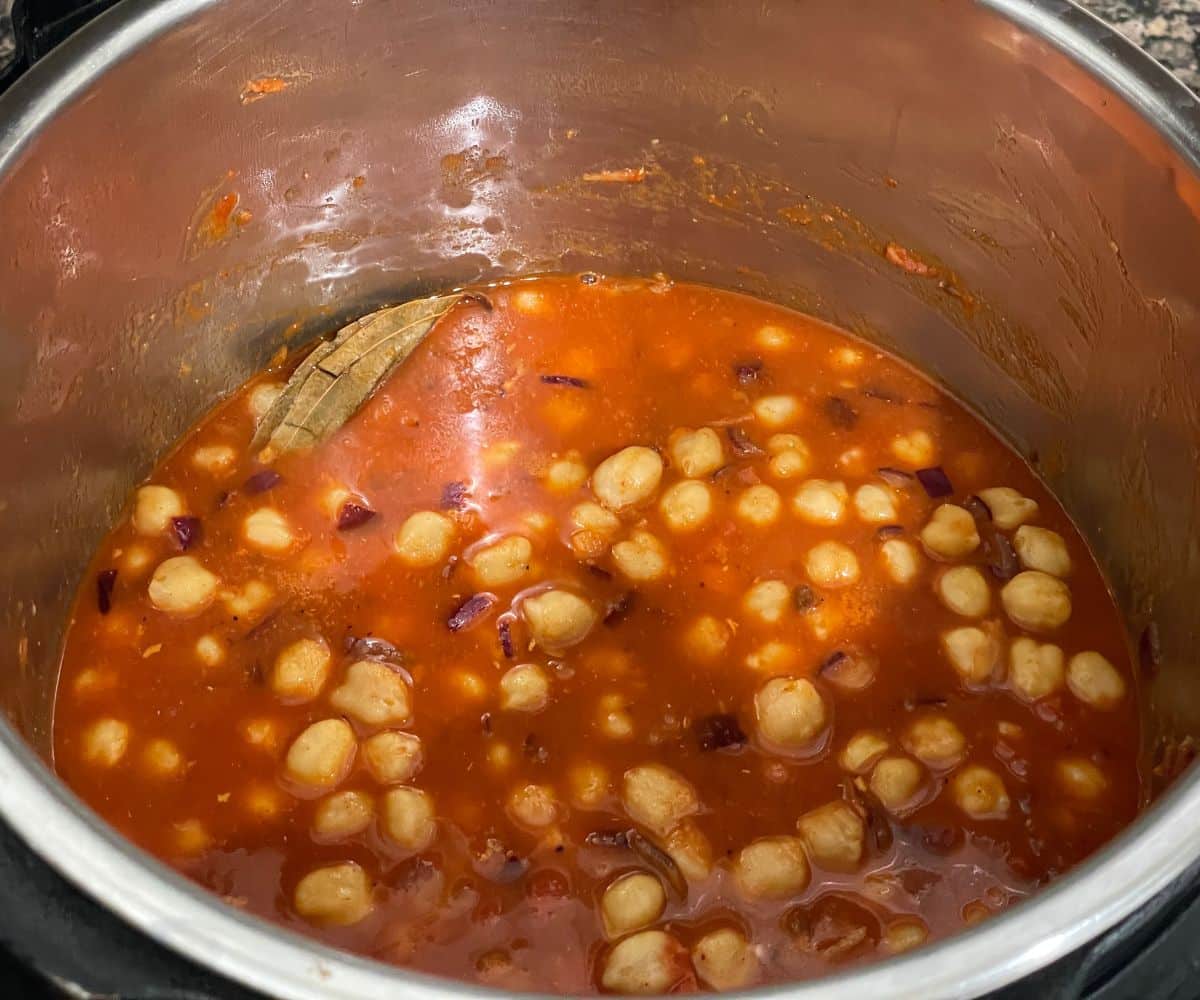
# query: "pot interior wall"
422,144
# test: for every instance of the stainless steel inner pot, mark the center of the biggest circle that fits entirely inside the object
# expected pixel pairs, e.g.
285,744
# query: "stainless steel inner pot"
1049,165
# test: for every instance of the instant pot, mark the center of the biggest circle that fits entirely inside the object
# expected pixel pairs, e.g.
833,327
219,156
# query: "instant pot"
403,146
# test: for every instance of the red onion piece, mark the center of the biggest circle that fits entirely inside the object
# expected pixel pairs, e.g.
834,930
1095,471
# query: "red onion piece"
659,860
371,647
718,732
806,598
478,299
353,515
504,631
455,495
607,838
1149,649
886,531
936,482
978,509
470,611
589,277
840,413
619,608
185,531
571,380
747,372
741,442
105,581
1002,557
261,481
895,477
882,393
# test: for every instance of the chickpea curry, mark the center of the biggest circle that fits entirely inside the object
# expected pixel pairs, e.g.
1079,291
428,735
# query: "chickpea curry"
633,637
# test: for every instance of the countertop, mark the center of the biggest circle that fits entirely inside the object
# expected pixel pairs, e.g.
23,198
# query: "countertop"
1168,29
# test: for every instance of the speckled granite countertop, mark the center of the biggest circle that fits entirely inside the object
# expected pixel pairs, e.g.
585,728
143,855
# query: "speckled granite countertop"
1168,29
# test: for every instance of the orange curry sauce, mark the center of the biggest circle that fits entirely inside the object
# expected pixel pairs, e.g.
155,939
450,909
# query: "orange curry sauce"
1014,765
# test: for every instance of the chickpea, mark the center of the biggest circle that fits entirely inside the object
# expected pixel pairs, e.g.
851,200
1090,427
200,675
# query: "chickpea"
261,733
209,651
935,741
320,757
725,960
533,806
846,357
590,785
627,479
875,504
820,501
558,619
771,868
614,721
641,557
914,449
162,758
263,802
904,935
901,560
696,453
191,837
773,658
706,638
499,755
980,793
469,684
1095,681
834,835
1009,509
182,587
1035,669
776,411
105,742
268,531
964,591
424,539
895,781
215,459
1079,778
790,712
408,818
592,517
1036,601
644,964
263,397
790,463
657,797
371,692
1042,549
342,815
759,506
524,688
560,412
502,563
137,560
773,338
631,902
690,850
950,533
972,652
393,758
768,601
249,602
566,474
831,564
337,895
686,505
862,751
301,670
153,509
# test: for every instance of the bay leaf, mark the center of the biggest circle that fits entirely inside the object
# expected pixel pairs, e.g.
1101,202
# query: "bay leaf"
341,374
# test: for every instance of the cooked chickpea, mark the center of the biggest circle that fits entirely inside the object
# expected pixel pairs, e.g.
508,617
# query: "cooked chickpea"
268,531
696,453
191,837
1035,669
262,398
105,742
904,935
706,638
862,751
790,464
773,338
790,712
641,557
590,785
657,797
631,902
249,602
424,539
875,504
337,895
558,619
831,564
136,560
590,516
408,817
182,587
162,758
964,591
393,758
1095,681
901,560
469,684
499,755
759,505
371,692
1042,549
896,781
533,806
1036,601
627,479
214,459
834,835
724,960
774,657
935,741
820,501
686,505
768,601
503,562
301,670
524,688
566,474
615,722
690,850
972,652
153,509
980,793
1009,508
771,868
261,733
1079,778
915,449
342,815
950,533
645,964
209,651
776,411
263,802
320,757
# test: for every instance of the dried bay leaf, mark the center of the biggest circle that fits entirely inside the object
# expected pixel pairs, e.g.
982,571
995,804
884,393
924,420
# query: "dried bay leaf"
340,375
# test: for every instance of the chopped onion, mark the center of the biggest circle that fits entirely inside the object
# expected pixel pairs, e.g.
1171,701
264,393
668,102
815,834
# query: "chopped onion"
936,482
717,732
105,581
840,413
455,495
353,515
262,481
571,380
747,372
186,531
895,477
741,441
504,631
470,611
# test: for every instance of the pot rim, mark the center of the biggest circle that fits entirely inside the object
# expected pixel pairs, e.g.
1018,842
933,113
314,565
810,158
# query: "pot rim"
1112,884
